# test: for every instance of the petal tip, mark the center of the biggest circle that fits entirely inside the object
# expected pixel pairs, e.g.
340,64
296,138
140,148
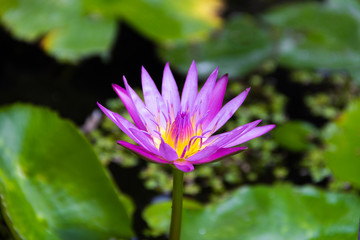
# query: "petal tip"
224,78
193,66
124,79
215,73
167,67
271,127
115,86
99,105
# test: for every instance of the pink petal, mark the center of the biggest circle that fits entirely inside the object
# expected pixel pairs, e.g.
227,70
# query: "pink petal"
227,111
167,152
216,144
121,122
205,95
143,153
255,132
144,140
146,117
170,92
221,140
207,151
217,97
153,100
190,88
245,128
183,165
220,154
129,106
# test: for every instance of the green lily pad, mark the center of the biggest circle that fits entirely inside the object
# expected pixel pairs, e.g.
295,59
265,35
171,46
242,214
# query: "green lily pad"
314,35
69,34
52,184
350,6
271,213
237,49
295,136
165,20
337,237
81,38
343,150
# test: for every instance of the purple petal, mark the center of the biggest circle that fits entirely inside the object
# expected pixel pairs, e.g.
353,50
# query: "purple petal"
221,140
121,122
190,88
146,117
167,152
255,132
144,140
143,153
237,133
207,151
220,154
153,100
216,100
129,106
183,165
170,92
205,95
227,111
216,144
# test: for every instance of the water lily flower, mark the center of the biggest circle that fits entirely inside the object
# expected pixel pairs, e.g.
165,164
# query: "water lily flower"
180,131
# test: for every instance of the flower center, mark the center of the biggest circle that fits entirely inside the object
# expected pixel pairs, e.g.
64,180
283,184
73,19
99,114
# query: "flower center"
183,136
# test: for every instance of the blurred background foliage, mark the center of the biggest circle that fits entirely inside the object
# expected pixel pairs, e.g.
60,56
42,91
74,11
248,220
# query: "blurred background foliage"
301,58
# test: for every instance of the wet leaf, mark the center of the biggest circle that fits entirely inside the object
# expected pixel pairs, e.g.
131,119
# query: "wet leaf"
165,20
350,6
271,213
52,184
237,49
343,150
69,34
337,237
316,36
82,38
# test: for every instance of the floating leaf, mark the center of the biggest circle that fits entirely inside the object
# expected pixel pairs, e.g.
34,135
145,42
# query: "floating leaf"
295,135
52,184
165,20
237,49
316,36
350,6
82,38
69,34
271,213
343,150
337,237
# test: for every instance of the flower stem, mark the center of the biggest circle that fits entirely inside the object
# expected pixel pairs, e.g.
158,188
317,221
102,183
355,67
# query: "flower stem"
177,202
